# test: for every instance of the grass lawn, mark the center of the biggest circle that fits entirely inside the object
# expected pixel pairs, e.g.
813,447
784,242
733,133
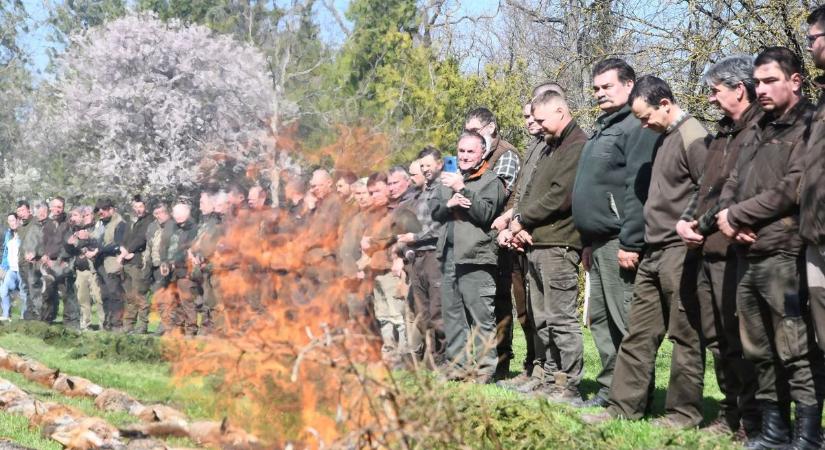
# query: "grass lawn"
559,426
517,422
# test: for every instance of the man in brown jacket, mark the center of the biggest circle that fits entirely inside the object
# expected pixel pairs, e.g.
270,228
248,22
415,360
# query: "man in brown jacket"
380,235
761,214
663,303
812,193
543,223
525,381
732,90
58,275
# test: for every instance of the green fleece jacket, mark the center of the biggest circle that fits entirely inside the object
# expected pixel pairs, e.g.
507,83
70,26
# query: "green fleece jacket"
468,229
544,208
612,181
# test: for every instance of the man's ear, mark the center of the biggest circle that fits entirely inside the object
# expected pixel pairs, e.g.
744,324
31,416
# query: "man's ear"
797,80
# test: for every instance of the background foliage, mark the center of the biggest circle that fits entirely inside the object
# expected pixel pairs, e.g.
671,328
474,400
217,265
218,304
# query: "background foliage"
158,95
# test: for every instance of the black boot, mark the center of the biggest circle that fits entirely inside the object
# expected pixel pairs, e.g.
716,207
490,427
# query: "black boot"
807,434
776,428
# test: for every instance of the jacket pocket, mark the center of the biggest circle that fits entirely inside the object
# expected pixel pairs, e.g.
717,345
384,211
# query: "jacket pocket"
792,338
606,143
564,282
487,291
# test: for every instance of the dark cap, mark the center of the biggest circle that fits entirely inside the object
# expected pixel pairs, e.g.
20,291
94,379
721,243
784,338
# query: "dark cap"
103,203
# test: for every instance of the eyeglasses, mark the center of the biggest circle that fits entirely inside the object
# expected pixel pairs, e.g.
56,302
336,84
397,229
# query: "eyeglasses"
811,38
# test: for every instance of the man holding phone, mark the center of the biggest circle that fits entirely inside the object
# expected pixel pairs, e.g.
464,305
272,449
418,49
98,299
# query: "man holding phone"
467,203
505,162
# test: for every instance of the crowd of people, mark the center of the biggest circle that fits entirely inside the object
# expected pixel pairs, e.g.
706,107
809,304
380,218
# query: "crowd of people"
715,240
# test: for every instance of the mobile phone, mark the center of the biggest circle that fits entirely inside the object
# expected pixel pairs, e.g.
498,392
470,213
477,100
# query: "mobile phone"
450,164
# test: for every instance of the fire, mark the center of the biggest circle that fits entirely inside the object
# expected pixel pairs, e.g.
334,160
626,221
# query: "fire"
286,360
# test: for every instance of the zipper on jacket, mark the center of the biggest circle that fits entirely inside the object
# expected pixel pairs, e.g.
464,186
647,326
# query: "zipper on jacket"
613,206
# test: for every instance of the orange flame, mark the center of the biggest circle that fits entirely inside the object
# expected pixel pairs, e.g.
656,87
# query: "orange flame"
286,360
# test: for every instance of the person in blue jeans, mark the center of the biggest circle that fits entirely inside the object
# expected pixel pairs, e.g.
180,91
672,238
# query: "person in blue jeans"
11,268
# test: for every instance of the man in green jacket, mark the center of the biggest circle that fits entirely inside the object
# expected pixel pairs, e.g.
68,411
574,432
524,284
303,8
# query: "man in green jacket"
610,189
177,307
31,251
136,274
109,265
543,222
467,204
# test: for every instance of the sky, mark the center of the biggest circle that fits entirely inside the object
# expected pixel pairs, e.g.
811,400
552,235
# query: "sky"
36,40
37,43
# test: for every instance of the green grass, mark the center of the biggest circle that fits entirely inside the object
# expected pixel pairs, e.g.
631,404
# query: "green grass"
499,418
148,382
16,428
494,417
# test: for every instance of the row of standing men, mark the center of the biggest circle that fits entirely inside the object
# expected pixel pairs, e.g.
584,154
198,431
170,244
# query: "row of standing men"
714,240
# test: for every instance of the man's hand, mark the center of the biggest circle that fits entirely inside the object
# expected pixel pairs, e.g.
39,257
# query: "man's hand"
628,260
365,243
687,231
310,202
587,257
29,256
516,226
458,200
522,239
196,261
725,226
397,267
503,238
502,221
406,238
72,240
454,181
83,234
745,236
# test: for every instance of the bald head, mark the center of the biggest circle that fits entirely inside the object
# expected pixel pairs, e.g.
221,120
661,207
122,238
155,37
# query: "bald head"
256,199
181,212
415,174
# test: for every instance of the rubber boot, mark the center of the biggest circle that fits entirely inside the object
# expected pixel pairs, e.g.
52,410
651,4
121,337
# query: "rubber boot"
776,428
807,434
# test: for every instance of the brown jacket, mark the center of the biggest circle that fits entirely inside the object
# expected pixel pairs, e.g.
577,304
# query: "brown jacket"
383,226
544,207
678,162
723,152
811,189
761,192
